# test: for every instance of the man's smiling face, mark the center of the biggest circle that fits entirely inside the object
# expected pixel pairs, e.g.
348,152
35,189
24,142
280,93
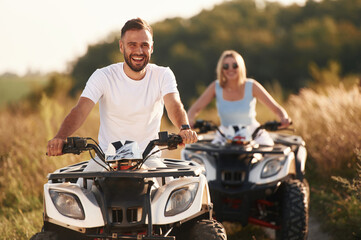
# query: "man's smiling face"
137,47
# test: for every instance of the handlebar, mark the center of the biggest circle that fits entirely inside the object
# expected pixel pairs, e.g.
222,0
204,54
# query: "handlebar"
204,126
269,126
77,145
165,139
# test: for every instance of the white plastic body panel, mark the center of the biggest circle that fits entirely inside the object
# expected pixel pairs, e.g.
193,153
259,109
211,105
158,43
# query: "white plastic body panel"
160,200
288,167
93,215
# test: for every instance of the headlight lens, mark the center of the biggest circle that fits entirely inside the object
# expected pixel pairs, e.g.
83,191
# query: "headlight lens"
271,168
181,199
67,204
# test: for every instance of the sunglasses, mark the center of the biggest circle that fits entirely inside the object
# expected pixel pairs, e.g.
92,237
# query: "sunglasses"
226,66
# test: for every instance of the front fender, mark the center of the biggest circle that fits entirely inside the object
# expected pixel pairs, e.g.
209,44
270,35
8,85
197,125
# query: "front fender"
288,168
163,193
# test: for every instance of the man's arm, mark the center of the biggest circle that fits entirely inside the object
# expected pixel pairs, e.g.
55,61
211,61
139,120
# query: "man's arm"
178,116
71,123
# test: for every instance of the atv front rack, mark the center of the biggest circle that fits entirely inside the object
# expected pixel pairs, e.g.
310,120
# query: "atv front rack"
174,168
238,149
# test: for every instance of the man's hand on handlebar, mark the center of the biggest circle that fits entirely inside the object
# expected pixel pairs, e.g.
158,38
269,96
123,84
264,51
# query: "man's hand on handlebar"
188,135
55,147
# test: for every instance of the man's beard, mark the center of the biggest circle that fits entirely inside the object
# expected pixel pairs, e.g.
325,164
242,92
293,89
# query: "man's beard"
136,68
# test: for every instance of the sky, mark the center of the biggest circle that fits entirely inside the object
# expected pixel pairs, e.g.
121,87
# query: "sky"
46,35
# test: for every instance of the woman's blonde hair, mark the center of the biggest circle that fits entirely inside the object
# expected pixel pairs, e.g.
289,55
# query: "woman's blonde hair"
241,66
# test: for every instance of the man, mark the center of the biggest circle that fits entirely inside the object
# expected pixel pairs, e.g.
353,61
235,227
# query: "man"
131,95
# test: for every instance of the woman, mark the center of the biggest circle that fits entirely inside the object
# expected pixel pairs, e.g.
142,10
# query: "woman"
236,96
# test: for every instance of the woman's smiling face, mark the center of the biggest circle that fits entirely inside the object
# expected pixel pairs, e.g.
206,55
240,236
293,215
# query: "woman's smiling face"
230,68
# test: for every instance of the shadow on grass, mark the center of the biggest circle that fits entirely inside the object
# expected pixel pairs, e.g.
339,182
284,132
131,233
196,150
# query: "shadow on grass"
235,231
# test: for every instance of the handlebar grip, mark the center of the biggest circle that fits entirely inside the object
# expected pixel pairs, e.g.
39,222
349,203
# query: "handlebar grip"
169,140
173,141
199,124
272,126
74,145
176,138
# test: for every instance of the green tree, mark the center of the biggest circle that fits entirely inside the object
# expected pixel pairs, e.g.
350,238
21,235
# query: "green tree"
277,42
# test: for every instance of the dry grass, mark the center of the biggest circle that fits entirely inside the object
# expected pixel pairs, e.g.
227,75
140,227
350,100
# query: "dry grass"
330,123
24,165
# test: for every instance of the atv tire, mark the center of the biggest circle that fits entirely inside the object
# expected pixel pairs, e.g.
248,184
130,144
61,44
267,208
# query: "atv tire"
203,229
45,236
294,211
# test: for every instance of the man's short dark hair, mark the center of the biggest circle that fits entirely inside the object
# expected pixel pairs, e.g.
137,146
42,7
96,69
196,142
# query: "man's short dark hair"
136,24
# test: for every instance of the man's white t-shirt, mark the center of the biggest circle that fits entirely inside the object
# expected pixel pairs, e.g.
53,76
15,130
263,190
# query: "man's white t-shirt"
129,109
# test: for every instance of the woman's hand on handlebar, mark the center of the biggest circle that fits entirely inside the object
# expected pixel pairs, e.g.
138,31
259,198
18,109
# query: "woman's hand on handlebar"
285,122
188,135
55,147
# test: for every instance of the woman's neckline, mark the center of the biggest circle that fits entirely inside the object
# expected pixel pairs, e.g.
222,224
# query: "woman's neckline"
240,89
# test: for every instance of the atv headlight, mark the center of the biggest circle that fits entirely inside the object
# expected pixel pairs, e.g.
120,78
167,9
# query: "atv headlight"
271,168
67,204
181,199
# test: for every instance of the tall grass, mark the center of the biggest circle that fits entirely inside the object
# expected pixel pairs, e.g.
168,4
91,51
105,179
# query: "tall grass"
24,165
330,123
339,205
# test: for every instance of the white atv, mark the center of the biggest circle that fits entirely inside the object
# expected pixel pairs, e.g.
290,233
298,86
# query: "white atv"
251,183
125,200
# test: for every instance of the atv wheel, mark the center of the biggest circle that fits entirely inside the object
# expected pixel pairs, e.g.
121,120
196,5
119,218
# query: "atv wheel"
203,229
294,211
45,236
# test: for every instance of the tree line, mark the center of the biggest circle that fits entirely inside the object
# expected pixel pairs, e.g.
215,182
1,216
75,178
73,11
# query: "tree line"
278,43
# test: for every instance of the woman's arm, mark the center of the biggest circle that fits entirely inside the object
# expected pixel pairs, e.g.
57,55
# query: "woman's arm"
261,94
201,103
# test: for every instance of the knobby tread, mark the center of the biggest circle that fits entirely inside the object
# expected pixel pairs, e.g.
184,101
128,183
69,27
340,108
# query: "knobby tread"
294,212
203,229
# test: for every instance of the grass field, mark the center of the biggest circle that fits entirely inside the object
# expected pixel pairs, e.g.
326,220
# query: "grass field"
329,123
